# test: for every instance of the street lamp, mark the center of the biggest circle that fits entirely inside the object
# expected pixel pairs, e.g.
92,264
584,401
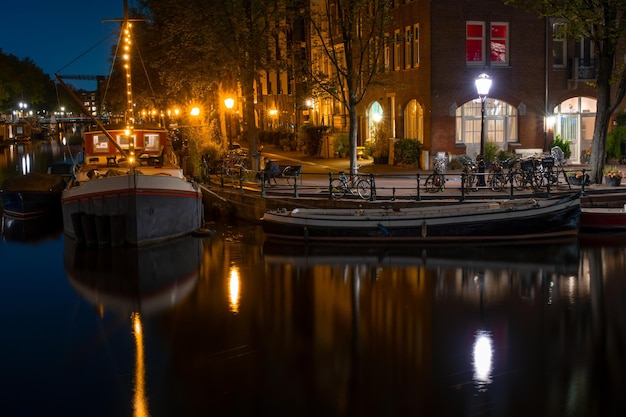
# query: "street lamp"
229,103
483,84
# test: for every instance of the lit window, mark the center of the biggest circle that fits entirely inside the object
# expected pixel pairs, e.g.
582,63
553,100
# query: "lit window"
396,51
475,43
416,46
499,43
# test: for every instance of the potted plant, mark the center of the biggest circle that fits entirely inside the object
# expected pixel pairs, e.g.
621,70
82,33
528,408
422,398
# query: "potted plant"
577,177
612,176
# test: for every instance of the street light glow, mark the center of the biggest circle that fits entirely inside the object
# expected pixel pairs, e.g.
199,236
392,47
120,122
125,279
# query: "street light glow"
483,84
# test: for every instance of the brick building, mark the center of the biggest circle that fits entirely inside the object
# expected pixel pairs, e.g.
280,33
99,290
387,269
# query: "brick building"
436,49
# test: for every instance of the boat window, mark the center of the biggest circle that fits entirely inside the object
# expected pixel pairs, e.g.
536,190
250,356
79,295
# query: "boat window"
100,143
124,141
151,142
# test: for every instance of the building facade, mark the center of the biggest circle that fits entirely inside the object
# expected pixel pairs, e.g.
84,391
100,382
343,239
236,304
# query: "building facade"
435,50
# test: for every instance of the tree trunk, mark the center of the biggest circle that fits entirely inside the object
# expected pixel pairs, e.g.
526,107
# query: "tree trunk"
247,87
353,135
603,115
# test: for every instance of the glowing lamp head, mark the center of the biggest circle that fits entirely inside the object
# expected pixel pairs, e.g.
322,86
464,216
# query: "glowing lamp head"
483,84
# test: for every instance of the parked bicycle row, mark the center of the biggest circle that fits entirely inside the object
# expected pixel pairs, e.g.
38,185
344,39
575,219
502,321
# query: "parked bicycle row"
338,185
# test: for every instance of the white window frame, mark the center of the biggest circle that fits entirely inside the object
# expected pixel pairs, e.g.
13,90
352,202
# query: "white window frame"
468,38
492,45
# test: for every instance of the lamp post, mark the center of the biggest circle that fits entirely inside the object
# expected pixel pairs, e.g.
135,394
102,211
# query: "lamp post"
483,84
229,103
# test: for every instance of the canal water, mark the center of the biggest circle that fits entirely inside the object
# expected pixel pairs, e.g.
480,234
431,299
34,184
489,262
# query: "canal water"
235,325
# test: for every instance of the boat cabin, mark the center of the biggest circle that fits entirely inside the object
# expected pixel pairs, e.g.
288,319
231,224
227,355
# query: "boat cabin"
147,146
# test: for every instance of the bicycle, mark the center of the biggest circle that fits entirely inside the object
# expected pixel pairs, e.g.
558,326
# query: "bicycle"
529,175
339,187
498,179
470,170
437,180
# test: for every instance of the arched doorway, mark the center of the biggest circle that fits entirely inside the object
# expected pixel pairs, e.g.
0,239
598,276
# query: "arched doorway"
574,120
414,121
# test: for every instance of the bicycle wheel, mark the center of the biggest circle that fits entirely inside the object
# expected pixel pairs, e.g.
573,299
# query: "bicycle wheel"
434,183
497,181
471,182
519,180
537,179
364,189
337,188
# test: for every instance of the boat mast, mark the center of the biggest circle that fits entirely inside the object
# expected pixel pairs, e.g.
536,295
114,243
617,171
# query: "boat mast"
129,115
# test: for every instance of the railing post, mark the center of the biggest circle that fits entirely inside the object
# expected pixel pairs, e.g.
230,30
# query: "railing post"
330,186
262,176
463,179
511,188
582,183
295,186
240,178
373,188
418,197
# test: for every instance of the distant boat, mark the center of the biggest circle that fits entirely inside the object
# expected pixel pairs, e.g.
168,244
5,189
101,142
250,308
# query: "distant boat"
33,194
130,189
486,221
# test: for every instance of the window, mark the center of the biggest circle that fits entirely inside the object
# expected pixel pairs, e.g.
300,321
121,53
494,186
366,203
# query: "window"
151,142
387,53
499,43
124,142
396,51
500,123
475,43
408,37
559,46
100,143
416,45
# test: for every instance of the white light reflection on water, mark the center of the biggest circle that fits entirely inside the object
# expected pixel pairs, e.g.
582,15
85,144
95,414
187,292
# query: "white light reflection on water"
482,356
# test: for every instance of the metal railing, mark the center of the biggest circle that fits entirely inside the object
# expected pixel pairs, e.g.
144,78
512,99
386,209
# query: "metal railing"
396,186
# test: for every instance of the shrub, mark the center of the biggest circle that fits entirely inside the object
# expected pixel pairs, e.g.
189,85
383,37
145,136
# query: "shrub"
563,144
408,151
614,142
491,151
312,136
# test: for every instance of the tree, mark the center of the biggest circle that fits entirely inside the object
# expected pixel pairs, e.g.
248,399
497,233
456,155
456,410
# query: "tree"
205,43
603,22
348,36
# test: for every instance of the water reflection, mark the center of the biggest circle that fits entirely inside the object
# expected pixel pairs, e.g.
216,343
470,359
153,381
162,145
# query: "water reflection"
32,230
145,279
135,281
482,355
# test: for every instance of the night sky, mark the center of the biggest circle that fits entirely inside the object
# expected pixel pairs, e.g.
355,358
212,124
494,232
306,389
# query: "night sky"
65,36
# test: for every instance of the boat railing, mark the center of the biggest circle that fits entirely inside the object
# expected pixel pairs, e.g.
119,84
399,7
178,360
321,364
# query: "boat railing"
396,186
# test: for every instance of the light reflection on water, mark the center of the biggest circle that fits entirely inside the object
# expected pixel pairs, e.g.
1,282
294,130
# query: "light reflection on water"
233,325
